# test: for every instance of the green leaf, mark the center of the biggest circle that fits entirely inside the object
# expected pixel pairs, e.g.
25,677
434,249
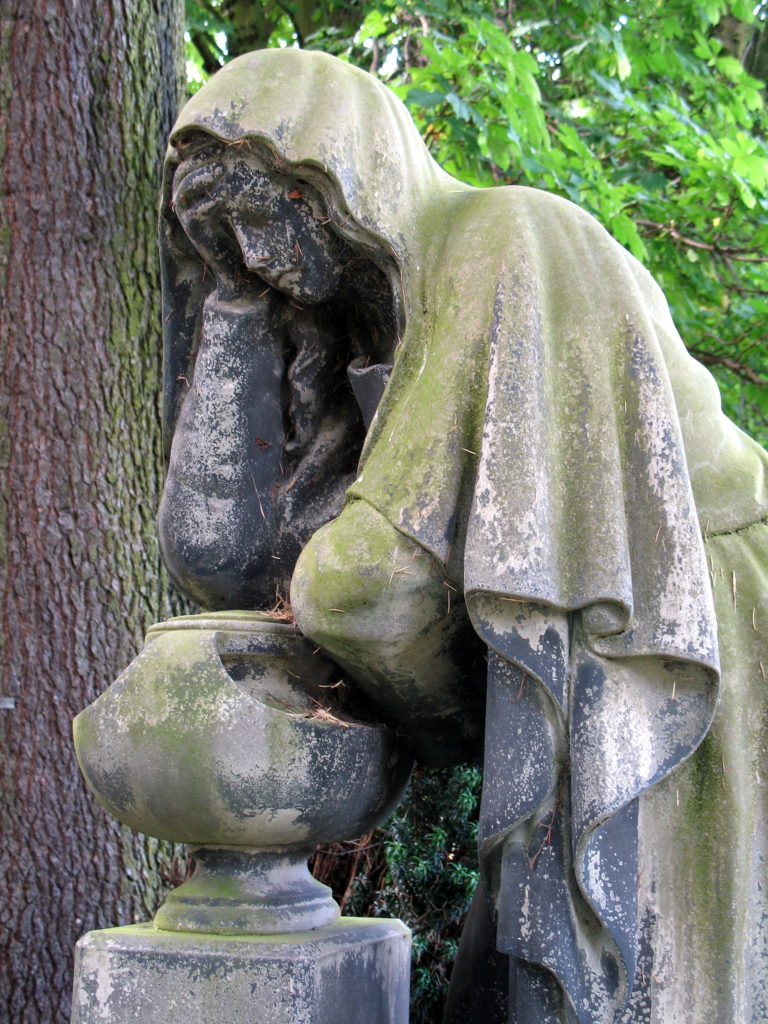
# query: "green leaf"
743,10
730,67
713,10
425,98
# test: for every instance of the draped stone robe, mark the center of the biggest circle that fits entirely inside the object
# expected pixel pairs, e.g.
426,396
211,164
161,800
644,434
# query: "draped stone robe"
547,444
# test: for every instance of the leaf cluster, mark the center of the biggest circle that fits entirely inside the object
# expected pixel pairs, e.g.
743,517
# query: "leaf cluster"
425,875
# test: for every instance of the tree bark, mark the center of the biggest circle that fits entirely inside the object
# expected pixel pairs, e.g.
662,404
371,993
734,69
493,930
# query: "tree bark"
88,91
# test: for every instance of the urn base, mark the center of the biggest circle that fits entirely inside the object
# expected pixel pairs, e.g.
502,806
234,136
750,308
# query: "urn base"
353,970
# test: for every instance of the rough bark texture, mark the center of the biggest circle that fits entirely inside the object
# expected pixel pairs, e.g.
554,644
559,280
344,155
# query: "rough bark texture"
88,91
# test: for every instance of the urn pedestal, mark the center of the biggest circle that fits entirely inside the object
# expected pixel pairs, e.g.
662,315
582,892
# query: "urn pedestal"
219,735
352,971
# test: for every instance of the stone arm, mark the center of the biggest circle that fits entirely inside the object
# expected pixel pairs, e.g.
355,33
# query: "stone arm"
381,606
262,450
215,519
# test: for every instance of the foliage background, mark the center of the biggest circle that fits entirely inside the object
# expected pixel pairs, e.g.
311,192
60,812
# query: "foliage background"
648,113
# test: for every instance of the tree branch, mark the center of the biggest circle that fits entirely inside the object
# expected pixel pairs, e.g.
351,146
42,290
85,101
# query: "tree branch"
734,365
206,51
744,254
292,18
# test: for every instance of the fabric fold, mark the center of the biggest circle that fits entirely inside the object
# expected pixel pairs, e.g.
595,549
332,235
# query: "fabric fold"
545,435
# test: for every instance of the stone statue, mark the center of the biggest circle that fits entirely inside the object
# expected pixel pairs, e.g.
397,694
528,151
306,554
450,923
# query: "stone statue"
510,485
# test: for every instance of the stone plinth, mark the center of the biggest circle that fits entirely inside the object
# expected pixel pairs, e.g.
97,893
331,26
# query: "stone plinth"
354,971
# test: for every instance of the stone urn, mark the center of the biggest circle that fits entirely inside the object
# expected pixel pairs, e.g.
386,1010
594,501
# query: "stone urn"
220,735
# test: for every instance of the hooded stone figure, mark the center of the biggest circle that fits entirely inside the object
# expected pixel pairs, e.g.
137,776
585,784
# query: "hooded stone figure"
550,516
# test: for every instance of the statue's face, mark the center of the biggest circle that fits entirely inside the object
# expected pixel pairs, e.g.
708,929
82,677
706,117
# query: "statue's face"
254,227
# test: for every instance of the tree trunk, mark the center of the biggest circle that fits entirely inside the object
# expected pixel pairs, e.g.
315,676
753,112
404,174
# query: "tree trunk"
88,91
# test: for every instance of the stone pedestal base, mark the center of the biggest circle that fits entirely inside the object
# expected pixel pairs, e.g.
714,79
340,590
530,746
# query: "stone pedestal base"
354,971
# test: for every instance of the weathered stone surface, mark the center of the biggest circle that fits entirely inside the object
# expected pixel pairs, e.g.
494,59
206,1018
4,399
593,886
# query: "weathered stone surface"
262,297
548,449
208,738
213,737
248,892
546,473
404,636
353,971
